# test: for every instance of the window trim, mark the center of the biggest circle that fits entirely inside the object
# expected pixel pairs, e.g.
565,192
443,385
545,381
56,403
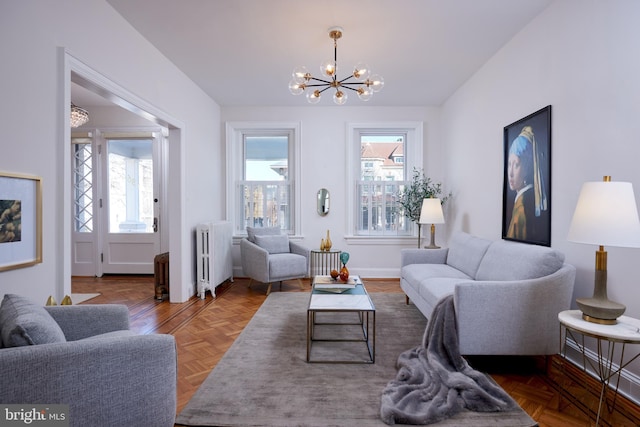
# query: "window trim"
235,132
412,158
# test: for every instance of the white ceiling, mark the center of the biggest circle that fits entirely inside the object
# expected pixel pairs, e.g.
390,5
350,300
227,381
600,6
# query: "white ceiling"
242,52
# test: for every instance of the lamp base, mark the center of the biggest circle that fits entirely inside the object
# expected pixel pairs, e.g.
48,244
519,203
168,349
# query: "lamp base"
602,311
432,244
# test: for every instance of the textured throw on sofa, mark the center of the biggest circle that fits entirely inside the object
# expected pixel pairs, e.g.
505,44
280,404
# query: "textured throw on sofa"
507,295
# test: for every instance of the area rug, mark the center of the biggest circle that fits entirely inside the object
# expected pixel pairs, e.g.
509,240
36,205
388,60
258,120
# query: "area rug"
264,379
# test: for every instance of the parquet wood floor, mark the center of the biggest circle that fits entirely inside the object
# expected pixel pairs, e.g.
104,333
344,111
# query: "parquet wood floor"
205,329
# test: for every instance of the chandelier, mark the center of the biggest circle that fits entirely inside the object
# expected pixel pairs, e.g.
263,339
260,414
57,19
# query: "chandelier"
79,116
360,80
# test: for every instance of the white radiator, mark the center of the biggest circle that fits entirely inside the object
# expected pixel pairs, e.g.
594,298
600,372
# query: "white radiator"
213,256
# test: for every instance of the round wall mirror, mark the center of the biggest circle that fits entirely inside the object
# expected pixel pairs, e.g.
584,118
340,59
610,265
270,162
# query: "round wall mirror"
323,202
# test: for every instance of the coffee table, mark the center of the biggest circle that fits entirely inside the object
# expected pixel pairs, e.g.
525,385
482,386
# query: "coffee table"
355,301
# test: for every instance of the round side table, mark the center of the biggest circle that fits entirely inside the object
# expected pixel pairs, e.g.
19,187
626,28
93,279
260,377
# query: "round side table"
625,331
322,262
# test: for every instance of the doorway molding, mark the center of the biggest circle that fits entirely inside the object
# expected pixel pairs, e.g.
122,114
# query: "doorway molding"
73,69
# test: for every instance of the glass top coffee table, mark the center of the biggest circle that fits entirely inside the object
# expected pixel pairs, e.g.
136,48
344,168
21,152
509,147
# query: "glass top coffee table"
341,322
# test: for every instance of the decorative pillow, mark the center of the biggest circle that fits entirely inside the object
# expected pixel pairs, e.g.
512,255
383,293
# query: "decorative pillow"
24,323
252,232
274,244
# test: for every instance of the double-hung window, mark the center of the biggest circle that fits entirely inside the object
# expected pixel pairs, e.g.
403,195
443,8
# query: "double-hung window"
263,171
381,156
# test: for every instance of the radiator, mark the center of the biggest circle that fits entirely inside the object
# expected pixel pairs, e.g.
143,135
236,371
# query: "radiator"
213,255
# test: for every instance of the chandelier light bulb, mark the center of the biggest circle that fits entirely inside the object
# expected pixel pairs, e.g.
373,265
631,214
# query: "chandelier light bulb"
365,93
295,87
313,97
360,80
328,68
361,71
376,82
340,97
301,74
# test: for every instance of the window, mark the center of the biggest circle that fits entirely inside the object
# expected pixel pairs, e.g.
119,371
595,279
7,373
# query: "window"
382,155
262,162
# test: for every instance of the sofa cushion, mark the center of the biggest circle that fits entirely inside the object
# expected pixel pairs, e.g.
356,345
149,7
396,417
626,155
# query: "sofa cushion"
273,244
507,260
436,288
252,232
24,323
286,266
466,252
414,274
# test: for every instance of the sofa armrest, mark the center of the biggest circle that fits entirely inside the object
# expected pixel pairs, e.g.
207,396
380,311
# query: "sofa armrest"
83,321
121,380
423,256
513,317
297,248
255,261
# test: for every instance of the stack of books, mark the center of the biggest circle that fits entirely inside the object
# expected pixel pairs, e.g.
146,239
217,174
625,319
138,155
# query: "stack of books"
328,284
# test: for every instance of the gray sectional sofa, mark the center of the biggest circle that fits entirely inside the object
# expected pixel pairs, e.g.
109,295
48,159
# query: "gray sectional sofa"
507,295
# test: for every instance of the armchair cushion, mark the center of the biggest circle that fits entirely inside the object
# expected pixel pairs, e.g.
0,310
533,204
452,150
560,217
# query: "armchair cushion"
278,244
252,232
24,323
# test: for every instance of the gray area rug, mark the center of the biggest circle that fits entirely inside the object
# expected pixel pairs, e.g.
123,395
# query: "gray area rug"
264,379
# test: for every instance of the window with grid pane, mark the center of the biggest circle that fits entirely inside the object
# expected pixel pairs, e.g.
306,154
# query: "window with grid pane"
263,164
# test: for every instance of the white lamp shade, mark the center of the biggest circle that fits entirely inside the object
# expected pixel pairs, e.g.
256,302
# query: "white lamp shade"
606,214
431,212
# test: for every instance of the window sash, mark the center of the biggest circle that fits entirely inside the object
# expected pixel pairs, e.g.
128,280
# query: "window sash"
380,214
264,204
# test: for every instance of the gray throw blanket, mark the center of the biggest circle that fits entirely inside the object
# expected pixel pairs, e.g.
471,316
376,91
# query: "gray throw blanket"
434,382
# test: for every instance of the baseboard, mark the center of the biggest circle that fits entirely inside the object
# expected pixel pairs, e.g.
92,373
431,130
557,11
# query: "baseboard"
629,385
582,388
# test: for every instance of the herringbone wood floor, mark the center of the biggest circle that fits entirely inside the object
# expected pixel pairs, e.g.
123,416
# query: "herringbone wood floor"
205,329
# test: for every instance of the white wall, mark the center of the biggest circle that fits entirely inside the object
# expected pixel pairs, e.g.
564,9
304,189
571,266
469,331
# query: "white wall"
323,157
580,56
31,33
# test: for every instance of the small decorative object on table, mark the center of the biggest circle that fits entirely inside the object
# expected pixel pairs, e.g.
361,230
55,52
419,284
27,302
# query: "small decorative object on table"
327,242
344,272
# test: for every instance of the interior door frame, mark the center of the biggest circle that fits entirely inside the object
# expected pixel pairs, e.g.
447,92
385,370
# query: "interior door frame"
174,241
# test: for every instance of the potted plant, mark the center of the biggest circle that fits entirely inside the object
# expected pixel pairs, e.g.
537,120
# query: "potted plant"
420,188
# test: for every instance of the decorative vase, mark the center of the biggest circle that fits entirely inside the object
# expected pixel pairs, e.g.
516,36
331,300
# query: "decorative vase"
322,245
344,273
327,242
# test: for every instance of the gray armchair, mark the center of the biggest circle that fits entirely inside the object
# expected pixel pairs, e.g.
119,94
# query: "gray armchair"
105,373
268,256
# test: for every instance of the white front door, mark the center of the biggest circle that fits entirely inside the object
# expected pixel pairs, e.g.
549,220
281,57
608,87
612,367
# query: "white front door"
129,206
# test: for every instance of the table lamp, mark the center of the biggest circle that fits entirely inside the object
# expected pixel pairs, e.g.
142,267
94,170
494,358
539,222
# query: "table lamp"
431,213
605,215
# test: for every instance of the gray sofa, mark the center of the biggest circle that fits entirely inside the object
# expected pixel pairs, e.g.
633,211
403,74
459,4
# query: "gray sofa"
105,373
507,295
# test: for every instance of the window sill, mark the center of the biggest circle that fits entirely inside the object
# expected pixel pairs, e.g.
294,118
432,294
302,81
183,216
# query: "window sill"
381,240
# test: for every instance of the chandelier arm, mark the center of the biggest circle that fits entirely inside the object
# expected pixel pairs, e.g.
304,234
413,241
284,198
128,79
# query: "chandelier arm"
350,88
319,80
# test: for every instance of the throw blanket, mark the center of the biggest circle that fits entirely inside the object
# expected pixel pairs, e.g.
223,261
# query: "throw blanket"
434,382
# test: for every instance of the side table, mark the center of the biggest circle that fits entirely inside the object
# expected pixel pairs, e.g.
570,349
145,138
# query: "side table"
322,262
625,331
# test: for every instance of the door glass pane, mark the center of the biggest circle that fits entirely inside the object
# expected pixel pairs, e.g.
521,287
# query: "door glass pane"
130,170
83,185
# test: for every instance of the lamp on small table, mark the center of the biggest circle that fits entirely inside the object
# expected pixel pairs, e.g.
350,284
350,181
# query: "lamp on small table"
431,213
606,214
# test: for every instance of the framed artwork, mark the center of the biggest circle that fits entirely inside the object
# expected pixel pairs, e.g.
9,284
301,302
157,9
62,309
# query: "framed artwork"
526,190
20,221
